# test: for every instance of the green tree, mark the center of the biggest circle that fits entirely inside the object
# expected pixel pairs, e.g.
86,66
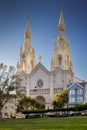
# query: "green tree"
27,103
9,84
61,99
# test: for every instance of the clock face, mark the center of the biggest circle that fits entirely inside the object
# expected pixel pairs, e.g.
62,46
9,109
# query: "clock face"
40,83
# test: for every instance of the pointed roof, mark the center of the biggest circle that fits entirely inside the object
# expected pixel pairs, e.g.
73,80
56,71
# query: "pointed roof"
74,85
61,21
39,65
27,30
27,26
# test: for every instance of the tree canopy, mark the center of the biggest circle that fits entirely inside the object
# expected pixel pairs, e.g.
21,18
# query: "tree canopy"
9,84
60,99
28,103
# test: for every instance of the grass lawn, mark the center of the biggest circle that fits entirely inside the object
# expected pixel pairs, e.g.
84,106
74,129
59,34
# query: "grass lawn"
66,123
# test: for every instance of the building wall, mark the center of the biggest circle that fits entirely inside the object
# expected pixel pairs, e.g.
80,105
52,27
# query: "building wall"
76,94
9,108
53,83
61,73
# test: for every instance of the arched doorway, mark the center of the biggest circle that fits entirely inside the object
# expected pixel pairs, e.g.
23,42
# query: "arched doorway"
40,99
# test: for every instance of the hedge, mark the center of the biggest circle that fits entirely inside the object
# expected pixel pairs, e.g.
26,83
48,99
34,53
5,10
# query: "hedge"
76,108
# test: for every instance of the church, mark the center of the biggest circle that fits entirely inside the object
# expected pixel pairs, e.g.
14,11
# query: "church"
37,81
42,84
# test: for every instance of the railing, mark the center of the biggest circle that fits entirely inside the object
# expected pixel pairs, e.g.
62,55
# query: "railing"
57,90
45,91
39,91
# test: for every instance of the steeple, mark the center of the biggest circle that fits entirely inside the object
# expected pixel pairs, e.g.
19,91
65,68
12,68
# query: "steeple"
27,53
27,37
61,31
61,57
61,24
27,30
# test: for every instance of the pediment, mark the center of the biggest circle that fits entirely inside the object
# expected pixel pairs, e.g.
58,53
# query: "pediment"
75,85
39,66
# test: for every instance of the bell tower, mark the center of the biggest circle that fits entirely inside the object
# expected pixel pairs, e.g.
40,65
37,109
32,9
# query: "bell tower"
61,57
26,61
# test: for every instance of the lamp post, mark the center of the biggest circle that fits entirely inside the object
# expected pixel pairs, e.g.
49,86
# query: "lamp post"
67,105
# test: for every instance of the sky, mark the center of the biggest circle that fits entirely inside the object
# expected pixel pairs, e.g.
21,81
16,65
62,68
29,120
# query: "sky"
43,20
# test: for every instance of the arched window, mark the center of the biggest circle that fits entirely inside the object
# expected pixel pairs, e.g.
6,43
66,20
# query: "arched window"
24,65
60,60
40,99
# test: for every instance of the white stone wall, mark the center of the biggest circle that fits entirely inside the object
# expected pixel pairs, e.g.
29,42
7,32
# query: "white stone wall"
40,74
9,108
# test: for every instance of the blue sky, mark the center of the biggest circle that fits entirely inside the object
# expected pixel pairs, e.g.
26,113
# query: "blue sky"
43,19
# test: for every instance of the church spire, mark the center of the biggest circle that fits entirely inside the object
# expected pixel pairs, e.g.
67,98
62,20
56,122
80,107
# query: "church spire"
61,30
61,25
61,57
27,30
27,37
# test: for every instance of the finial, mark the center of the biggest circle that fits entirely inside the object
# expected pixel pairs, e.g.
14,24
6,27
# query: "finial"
61,23
40,58
27,20
27,24
61,7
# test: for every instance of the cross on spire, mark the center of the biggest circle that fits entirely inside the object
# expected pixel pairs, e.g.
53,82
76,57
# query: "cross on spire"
40,58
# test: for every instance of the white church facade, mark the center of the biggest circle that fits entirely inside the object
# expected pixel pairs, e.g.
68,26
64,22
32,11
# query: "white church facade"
40,83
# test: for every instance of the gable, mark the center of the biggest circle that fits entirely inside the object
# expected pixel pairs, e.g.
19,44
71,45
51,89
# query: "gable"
40,73
75,85
39,67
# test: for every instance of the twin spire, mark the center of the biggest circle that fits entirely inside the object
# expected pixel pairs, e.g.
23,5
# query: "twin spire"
61,25
27,33
27,53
